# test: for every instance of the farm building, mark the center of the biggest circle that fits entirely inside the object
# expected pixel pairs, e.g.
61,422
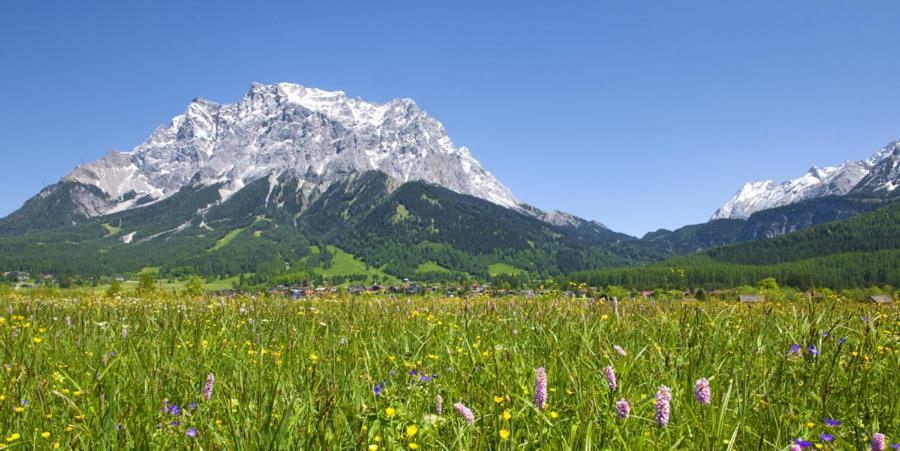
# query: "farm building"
879,299
752,298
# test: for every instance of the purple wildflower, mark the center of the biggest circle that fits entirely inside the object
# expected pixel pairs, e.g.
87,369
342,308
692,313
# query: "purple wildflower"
813,350
540,388
842,340
832,422
802,443
877,442
176,423
424,378
465,412
439,405
610,374
663,408
192,405
174,410
796,447
894,445
623,408
826,437
701,391
619,350
378,388
795,348
191,432
208,388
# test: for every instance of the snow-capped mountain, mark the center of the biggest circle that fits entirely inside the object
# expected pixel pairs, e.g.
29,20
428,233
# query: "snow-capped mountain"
884,178
315,136
817,182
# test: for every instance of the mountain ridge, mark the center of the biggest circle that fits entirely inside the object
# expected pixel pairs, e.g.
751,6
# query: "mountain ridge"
315,135
839,180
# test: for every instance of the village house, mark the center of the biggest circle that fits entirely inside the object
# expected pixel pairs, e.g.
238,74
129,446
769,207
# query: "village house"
752,298
880,299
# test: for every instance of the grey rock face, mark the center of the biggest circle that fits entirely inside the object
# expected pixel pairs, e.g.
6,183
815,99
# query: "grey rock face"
316,136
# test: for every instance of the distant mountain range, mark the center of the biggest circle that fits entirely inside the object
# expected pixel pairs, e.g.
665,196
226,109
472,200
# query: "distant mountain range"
260,185
876,176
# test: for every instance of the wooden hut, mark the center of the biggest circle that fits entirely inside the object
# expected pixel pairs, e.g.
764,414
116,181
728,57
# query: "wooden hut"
880,299
752,298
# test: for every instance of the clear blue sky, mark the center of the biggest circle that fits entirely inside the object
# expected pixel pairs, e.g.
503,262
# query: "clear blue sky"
638,114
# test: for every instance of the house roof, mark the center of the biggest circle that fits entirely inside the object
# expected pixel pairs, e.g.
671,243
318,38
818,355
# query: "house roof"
880,299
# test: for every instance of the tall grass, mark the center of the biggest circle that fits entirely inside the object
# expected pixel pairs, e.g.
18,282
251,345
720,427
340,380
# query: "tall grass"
96,373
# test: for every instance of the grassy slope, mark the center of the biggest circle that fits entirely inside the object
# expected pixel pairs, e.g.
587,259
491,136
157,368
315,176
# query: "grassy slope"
430,266
226,239
345,264
498,269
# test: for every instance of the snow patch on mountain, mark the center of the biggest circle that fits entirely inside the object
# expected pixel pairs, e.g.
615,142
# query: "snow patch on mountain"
817,182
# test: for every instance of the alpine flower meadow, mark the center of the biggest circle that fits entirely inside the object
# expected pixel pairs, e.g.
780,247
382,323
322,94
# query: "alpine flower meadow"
372,372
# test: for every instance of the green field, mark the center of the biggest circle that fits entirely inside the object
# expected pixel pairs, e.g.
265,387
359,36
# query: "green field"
364,373
226,239
345,264
178,285
431,267
499,269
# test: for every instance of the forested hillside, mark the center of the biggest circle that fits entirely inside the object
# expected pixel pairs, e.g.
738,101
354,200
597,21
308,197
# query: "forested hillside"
862,251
